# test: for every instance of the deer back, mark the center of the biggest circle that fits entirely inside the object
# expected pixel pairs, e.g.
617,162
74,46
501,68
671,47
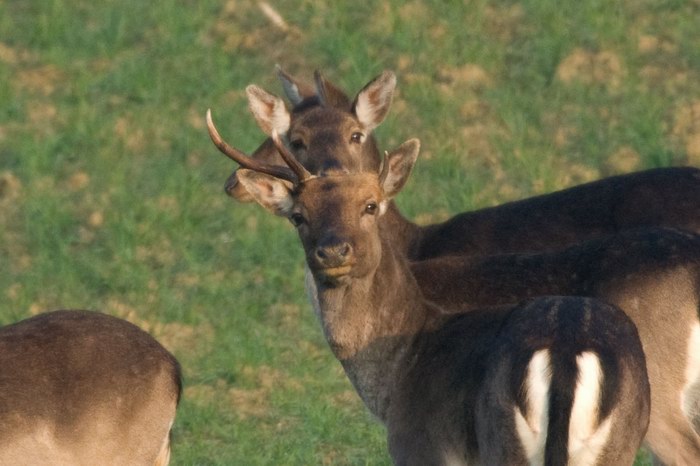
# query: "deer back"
84,388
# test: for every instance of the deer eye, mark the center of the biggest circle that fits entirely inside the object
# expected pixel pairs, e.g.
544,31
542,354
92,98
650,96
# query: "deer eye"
371,208
296,219
297,144
357,137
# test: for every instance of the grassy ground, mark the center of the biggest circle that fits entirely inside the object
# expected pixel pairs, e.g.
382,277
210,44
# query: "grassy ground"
111,192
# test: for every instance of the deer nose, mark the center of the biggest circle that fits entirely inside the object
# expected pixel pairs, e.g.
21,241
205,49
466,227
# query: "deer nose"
333,252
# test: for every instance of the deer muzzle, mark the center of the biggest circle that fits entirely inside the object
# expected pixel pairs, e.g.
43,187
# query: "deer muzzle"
333,257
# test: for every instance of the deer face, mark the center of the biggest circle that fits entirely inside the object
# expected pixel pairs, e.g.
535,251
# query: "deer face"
326,132
336,216
327,140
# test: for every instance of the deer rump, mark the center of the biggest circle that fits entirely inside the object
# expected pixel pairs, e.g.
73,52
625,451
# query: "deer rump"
85,388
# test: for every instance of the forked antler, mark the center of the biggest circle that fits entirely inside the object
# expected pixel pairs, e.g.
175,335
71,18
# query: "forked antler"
284,173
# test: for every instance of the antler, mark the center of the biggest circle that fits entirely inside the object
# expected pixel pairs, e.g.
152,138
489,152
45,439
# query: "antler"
298,169
248,162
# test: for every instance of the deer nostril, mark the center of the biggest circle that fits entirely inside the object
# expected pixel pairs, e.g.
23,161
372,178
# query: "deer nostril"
334,254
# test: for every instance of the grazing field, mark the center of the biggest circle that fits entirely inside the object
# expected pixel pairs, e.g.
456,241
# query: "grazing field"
111,194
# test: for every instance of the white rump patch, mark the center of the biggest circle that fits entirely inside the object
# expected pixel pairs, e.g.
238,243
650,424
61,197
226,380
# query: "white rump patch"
586,437
690,397
532,426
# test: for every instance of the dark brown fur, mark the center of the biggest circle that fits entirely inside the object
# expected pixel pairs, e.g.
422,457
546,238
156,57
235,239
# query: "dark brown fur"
436,380
667,197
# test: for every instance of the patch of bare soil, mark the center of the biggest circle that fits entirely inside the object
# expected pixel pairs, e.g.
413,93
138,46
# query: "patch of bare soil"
602,68
686,129
253,26
623,160
468,76
250,398
504,21
175,336
10,187
42,80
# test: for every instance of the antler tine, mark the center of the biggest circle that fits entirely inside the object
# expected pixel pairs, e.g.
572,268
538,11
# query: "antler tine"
243,160
302,173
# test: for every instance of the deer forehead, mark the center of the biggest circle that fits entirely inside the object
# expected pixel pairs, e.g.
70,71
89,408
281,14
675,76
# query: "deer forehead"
324,119
340,191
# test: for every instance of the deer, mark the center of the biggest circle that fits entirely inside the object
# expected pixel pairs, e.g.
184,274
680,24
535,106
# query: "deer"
554,380
327,132
653,275
85,388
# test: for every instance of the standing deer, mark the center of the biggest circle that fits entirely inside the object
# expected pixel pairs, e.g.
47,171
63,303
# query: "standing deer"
328,132
653,275
83,388
555,380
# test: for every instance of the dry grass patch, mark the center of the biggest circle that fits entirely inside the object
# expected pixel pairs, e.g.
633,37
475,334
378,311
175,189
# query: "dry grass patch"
42,80
604,68
686,129
623,160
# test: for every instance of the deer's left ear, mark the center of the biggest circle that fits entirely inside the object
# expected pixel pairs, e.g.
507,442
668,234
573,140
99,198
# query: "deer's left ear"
272,193
373,102
397,166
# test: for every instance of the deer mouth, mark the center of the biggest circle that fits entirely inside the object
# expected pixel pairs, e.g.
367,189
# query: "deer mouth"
335,272
334,276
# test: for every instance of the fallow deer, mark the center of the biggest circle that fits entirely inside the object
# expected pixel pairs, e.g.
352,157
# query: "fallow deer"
555,380
328,132
652,275
84,388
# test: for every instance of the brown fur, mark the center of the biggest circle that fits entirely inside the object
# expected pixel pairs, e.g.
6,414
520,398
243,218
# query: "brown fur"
662,197
431,378
84,388
659,197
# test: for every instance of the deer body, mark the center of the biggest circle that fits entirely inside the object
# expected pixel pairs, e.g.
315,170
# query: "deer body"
661,197
84,388
552,381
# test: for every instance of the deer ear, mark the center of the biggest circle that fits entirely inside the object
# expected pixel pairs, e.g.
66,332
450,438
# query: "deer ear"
329,94
269,110
272,193
397,166
374,100
295,90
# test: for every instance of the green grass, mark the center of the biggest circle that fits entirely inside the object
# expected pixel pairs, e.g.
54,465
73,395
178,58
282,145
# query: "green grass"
111,192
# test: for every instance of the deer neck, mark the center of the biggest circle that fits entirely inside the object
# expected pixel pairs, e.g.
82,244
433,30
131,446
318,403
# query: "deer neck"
371,324
406,234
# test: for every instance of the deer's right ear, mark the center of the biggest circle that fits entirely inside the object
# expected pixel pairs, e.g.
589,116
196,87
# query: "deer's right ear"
269,110
272,193
397,167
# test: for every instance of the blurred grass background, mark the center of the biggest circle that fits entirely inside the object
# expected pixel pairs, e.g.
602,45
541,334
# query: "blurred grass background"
111,192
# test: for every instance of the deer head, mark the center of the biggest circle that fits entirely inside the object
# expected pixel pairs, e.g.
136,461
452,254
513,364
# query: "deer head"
326,131
335,214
